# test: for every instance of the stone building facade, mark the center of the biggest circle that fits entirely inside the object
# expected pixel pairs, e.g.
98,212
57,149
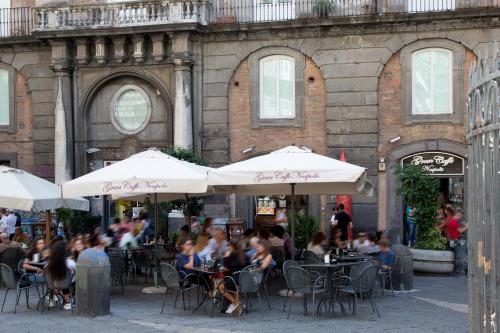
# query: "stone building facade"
197,71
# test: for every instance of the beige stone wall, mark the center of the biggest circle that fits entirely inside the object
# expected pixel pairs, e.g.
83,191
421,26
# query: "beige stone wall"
241,135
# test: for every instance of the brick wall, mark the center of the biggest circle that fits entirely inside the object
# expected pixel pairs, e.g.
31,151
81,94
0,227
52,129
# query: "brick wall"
241,135
390,113
20,142
390,123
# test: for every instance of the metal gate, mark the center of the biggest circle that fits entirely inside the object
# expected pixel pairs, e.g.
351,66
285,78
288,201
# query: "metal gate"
483,202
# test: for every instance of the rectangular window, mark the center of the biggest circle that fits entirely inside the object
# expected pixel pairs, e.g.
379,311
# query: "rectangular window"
277,87
4,98
432,82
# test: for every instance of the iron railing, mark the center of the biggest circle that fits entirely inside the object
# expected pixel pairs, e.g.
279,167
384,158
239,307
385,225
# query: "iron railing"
18,22
254,11
15,22
483,201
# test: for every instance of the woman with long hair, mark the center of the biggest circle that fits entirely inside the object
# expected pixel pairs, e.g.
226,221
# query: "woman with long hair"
201,242
316,244
262,258
232,262
35,254
58,269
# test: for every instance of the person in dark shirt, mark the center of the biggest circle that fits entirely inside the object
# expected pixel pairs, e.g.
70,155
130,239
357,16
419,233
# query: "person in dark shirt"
187,259
385,256
343,221
233,261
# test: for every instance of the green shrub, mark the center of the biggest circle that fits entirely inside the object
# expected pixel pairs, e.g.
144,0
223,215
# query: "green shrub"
305,228
421,191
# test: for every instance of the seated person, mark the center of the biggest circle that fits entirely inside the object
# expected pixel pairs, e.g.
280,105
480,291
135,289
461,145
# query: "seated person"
21,237
336,239
183,233
360,241
385,256
187,259
276,237
372,247
316,244
262,259
233,261
216,247
129,239
201,242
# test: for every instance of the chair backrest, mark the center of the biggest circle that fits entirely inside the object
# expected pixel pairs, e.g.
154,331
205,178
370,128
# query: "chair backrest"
11,256
286,265
366,278
58,284
311,258
117,263
8,277
297,278
278,253
356,269
169,275
250,280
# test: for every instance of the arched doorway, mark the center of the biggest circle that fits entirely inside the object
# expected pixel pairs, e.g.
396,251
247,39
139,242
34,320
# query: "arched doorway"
452,180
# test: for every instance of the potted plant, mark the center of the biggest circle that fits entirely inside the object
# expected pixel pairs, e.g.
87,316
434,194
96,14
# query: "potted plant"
420,191
323,8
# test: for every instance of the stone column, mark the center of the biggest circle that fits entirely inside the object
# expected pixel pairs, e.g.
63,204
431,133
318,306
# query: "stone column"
183,109
63,113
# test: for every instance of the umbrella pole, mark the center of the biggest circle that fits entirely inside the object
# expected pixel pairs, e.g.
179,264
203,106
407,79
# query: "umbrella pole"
156,241
47,226
292,220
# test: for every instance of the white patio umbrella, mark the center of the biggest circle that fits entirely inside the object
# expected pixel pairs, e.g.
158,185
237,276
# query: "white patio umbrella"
291,170
148,172
24,191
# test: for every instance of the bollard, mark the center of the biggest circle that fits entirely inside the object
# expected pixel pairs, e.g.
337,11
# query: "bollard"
92,283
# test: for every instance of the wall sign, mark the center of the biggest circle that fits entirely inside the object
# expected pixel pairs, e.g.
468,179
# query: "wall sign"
436,163
130,109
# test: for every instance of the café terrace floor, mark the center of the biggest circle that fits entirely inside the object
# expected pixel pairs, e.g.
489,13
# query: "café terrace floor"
437,304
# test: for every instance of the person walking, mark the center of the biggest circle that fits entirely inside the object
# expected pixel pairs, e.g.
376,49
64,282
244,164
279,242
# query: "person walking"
343,221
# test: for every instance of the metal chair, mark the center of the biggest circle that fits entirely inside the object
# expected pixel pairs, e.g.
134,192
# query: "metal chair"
55,288
173,281
19,284
286,265
299,281
142,259
362,284
250,281
310,258
118,269
384,275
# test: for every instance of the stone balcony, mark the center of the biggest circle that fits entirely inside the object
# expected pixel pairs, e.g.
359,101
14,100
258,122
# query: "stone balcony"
134,14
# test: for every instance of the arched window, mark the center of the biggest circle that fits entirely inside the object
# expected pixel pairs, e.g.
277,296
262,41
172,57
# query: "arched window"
277,87
4,98
432,83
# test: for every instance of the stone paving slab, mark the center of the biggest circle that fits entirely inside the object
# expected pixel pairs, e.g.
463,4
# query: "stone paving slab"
438,304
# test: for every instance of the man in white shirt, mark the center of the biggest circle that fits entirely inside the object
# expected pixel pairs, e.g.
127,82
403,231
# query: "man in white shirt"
11,224
332,220
3,221
216,247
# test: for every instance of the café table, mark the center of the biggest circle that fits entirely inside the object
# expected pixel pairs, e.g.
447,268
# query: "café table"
204,273
351,257
330,268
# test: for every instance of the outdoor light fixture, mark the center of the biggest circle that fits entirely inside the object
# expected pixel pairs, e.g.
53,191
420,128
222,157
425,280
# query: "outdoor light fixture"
92,150
396,139
381,164
247,149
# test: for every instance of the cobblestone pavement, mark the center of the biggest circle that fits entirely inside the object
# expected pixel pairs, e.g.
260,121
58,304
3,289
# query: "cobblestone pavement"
438,304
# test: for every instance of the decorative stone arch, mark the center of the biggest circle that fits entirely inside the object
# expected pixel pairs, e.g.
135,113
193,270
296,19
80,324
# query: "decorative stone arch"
81,128
393,158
